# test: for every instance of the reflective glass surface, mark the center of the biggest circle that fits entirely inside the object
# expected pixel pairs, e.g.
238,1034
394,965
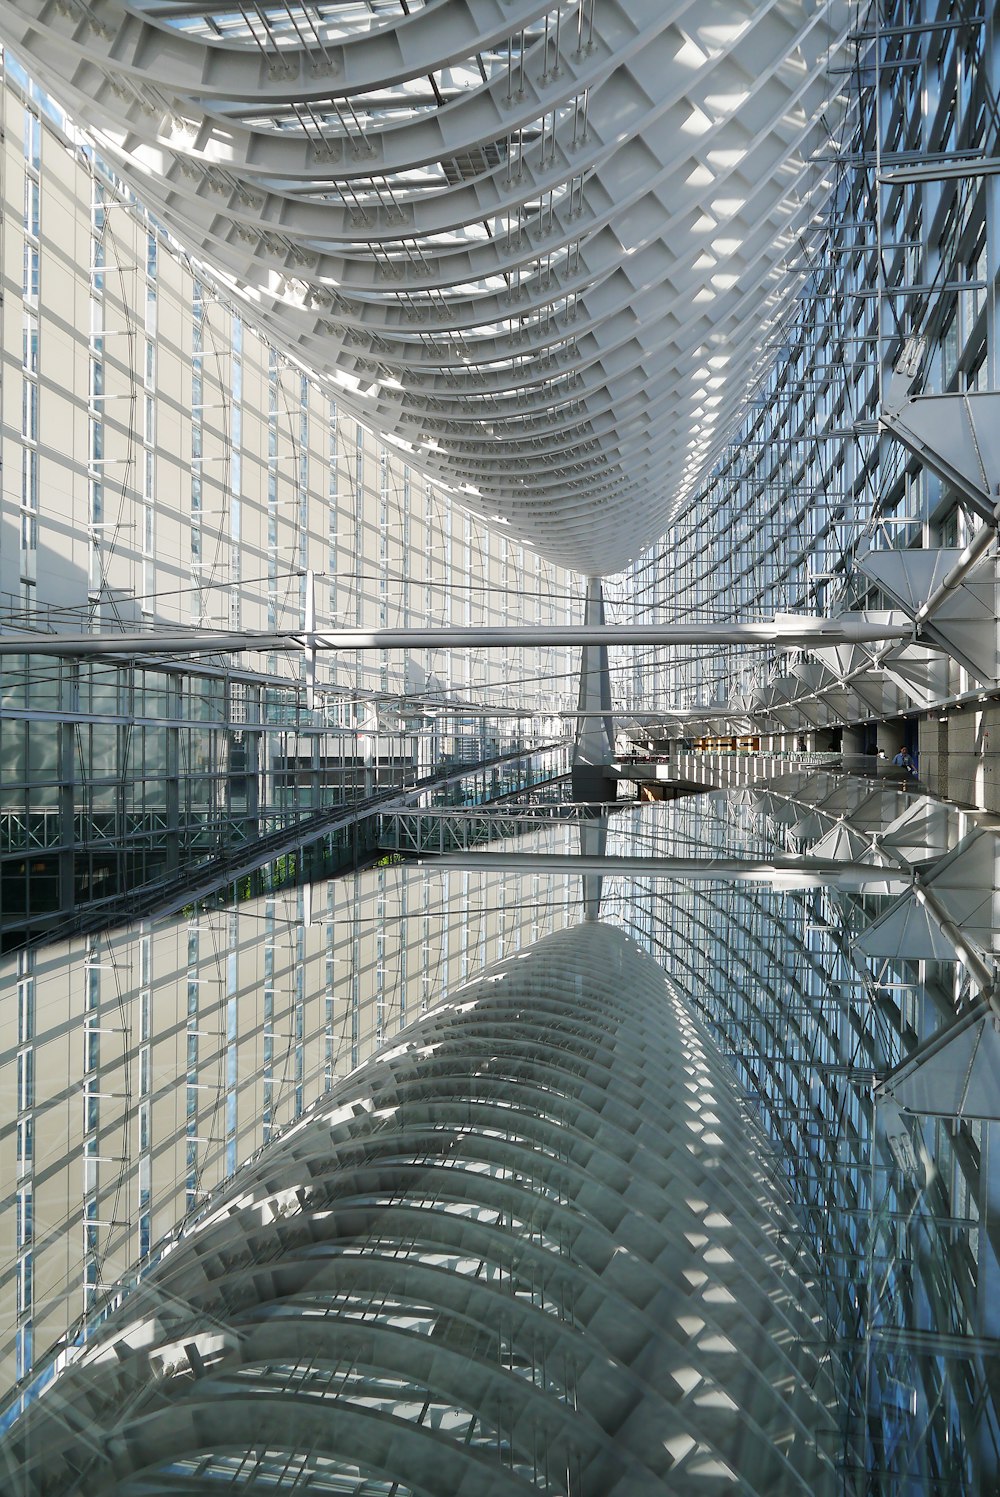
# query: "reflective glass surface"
827,930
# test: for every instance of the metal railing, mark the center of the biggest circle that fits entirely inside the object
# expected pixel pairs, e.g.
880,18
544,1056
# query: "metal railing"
315,846
414,833
735,767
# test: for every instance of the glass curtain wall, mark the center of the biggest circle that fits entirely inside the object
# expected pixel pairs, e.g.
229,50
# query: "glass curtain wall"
903,257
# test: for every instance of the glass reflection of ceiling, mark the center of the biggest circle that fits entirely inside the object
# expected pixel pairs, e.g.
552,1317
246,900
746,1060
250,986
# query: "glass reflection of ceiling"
535,1245
895,1202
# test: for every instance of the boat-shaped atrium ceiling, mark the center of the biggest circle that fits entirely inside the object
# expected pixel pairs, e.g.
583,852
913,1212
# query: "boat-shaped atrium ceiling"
543,245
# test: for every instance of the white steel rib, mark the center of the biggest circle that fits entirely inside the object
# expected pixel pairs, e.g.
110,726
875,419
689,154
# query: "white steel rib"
541,244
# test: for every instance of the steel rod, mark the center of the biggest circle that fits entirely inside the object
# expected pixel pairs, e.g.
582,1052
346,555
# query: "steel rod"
803,871
793,632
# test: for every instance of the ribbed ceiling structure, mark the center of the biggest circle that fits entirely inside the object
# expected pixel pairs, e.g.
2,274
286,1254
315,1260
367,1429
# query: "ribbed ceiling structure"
540,243
537,1246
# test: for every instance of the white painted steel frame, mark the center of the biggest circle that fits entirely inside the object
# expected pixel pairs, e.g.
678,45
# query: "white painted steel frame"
786,632
541,244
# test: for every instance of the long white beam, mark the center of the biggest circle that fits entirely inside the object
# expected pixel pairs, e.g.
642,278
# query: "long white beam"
802,633
800,871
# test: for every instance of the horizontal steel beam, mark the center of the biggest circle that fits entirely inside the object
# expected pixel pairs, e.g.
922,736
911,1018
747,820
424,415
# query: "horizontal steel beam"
786,630
804,871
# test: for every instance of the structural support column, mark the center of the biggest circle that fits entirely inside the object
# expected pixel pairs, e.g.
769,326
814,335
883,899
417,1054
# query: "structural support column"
595,738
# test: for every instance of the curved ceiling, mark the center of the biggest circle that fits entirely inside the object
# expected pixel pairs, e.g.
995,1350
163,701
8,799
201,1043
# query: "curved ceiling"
541,244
